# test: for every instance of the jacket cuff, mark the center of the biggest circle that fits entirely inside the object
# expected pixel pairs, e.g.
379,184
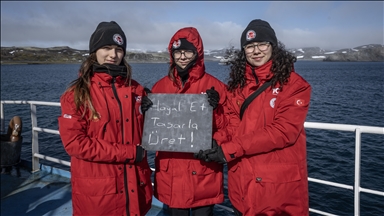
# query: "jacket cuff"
129,156
232,151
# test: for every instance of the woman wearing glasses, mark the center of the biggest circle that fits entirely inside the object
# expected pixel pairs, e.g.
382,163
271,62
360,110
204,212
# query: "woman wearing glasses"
266,158
186,184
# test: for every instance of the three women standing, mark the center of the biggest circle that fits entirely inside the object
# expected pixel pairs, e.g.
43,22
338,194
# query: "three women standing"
264,144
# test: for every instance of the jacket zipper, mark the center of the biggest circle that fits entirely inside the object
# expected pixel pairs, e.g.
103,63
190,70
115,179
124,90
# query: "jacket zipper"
254,75
121,110
122,136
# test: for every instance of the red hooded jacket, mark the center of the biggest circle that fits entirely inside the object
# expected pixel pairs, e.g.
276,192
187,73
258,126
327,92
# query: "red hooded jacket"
267,166
104,176
181,181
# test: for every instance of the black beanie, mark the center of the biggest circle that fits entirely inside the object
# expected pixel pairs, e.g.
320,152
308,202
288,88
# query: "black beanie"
258,31
183,44
107,33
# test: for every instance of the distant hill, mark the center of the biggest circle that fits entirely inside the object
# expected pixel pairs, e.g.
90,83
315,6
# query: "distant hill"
371,52
65,54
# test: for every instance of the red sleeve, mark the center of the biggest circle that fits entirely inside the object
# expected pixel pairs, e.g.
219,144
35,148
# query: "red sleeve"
220,121
282,132
73,133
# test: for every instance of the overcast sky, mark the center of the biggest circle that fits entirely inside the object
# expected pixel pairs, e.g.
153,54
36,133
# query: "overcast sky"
150,25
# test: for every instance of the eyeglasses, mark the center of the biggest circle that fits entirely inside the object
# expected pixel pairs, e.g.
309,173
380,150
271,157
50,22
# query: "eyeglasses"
250,48
187,53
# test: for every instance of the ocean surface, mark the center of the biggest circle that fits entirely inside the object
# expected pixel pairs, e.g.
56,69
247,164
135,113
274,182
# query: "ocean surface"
342,92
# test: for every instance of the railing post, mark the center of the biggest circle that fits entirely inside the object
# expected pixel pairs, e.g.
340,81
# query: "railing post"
2,117
35,140
357,171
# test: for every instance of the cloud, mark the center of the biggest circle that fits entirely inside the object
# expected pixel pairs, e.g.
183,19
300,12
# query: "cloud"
150,25
330,38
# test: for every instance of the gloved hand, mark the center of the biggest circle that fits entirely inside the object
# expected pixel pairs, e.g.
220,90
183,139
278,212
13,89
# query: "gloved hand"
146,103
214,154
140,154
213,97
200,155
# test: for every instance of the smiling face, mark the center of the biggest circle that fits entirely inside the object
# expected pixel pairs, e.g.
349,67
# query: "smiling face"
110,54
183,57
258,53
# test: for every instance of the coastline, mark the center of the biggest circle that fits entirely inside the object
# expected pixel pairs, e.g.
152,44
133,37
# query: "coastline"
57,62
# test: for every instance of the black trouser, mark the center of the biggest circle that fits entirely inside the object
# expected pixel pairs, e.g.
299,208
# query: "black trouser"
198,211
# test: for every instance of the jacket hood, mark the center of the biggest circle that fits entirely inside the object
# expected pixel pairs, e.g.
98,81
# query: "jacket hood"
191,35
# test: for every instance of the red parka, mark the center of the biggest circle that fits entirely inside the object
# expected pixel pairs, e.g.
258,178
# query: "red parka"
105,180
181,181
267,167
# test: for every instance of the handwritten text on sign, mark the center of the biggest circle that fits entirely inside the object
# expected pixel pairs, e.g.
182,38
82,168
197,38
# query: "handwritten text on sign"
178,123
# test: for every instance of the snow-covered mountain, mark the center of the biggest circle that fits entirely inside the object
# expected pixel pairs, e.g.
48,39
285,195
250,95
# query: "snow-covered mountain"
64,54
370,52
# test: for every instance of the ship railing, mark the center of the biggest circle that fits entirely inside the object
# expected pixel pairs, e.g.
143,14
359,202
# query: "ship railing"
357,129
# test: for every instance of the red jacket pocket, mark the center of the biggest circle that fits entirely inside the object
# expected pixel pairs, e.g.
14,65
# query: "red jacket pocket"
277,173
94,186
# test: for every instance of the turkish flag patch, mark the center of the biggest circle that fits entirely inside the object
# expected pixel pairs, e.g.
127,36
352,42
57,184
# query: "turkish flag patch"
299,102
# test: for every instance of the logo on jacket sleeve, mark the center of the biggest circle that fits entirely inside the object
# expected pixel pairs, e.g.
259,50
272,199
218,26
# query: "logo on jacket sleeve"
67,116
275,91
272,102
299,102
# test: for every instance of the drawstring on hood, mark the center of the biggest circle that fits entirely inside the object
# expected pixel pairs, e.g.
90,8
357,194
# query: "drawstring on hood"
254,74
259,74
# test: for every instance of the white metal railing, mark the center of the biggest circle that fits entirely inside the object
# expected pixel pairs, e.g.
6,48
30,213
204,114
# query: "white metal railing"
357,129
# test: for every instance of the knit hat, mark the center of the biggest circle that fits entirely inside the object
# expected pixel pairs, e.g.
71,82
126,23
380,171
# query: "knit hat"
107,33
258,31
183,44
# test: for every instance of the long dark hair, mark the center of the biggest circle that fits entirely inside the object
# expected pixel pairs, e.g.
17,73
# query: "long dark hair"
171,69
81,85
282,66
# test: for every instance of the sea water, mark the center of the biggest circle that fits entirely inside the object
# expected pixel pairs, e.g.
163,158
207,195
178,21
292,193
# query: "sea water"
342,93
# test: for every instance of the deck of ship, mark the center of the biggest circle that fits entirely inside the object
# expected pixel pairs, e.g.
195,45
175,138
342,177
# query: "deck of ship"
46,192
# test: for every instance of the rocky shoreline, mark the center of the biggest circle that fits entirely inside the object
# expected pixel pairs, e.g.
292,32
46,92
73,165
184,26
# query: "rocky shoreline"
67,55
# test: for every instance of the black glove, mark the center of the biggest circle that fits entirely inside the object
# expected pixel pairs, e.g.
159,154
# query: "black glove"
200,155
213,97
214,154
146,103
140,154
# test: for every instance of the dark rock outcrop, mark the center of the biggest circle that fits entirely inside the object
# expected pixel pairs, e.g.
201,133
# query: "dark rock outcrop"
147,57
32,55
366,53
64,54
